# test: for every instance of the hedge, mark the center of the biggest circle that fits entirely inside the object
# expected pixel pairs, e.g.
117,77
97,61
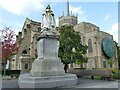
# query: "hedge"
12,72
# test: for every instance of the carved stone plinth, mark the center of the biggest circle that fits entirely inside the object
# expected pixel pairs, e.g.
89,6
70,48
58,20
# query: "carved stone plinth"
28,81
47,63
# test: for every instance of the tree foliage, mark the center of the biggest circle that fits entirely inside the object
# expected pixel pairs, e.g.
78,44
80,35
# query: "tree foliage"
118,53
8,44
71,50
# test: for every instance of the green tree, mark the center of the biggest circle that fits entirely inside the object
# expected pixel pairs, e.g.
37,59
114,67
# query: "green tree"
111,61
71,49
118,53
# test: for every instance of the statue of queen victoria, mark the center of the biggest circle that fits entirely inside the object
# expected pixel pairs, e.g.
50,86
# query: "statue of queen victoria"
48,21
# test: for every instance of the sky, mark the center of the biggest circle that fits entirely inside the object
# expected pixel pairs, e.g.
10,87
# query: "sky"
103,14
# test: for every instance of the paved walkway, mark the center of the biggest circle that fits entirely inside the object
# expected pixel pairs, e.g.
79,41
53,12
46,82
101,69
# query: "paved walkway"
8,84
97,84
82,83
92,84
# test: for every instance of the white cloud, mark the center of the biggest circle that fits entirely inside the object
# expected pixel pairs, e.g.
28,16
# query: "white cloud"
114,31
79,12
76,10
107,17
21,7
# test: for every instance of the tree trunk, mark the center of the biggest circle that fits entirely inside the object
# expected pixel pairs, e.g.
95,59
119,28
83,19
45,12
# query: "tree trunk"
66,68
4,74
4,70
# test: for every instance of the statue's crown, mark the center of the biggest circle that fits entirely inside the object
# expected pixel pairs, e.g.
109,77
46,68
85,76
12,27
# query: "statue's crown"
48,7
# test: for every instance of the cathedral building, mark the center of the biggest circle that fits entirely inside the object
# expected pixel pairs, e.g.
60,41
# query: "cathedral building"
98,56
26,41
101,53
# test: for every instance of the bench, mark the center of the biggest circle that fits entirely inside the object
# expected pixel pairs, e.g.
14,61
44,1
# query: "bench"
105,74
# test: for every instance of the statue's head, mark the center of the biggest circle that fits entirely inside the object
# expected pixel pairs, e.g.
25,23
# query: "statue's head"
48,7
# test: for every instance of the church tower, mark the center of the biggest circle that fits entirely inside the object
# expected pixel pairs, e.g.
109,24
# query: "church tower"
68,12
69,19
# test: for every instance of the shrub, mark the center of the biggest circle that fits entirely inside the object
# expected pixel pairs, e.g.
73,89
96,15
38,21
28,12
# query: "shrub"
12,73
116,74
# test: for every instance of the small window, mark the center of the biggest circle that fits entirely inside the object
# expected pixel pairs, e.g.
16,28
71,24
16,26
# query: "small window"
90,45
39,29
26,65
104,64
24,52
28,26
19,66
110,65
96,63
25,30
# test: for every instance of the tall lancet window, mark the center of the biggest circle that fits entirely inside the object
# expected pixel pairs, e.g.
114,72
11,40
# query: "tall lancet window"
90,45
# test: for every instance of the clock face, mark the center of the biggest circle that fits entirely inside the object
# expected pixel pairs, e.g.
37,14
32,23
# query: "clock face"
108,47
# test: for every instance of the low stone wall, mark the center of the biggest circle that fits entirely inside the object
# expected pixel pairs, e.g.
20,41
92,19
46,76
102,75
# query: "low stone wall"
103,73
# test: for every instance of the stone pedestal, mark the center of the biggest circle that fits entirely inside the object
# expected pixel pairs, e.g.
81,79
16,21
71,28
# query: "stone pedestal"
28,81
47,70
47,63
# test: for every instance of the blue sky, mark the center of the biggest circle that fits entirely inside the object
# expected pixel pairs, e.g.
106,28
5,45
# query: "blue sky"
104,14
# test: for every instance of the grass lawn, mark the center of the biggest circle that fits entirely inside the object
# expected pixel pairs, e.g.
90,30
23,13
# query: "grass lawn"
95,77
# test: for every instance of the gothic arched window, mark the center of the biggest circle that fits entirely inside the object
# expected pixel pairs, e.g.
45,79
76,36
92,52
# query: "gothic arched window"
24,52
90,45
39,29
